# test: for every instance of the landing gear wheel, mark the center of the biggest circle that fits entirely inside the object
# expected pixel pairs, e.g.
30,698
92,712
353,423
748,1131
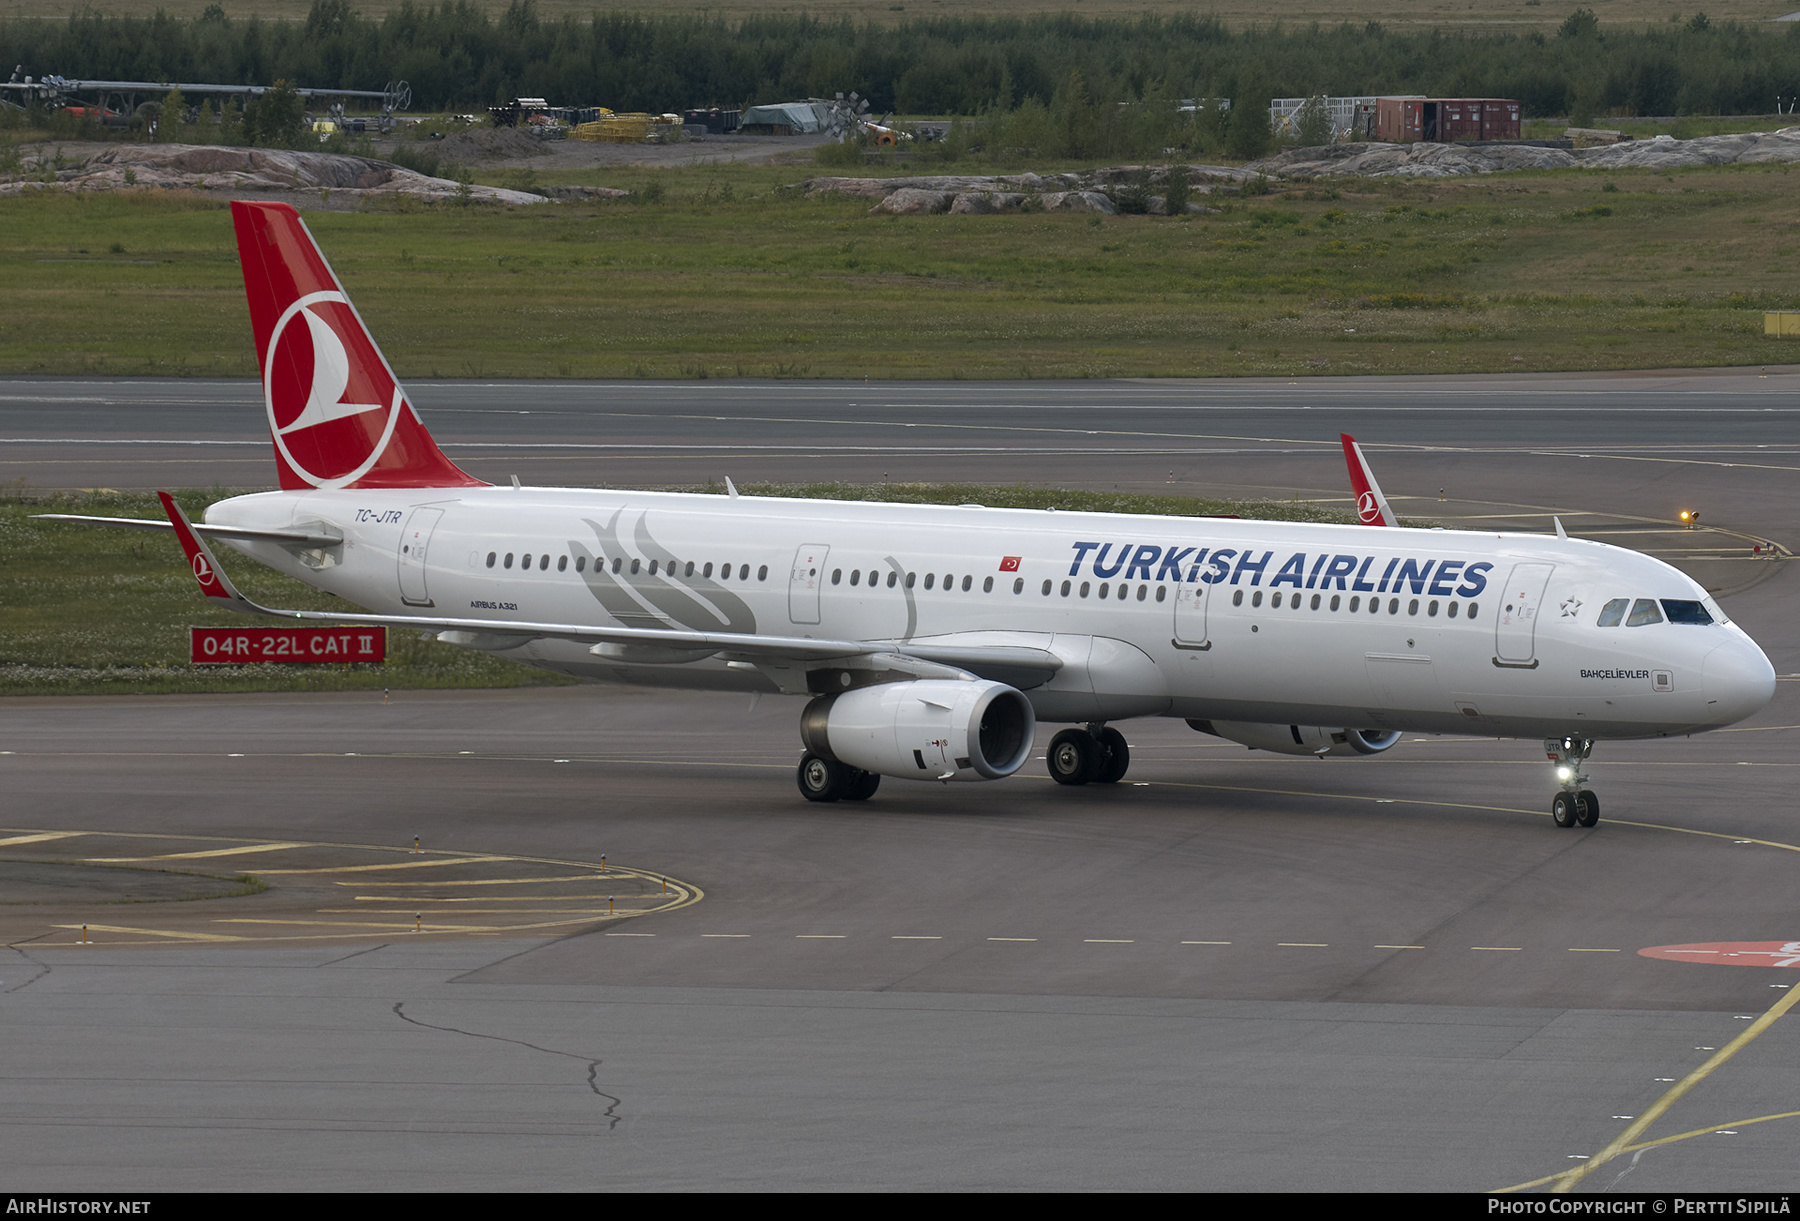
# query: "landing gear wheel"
822,779
1564,810
862,786
1117,756
1074,757
1587,809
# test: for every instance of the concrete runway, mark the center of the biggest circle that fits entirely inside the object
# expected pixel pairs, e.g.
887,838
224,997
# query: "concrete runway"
1235,971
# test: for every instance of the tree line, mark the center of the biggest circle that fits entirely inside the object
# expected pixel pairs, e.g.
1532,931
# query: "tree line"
458,57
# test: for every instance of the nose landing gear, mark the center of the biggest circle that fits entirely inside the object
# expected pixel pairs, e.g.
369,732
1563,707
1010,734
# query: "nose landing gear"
1574,806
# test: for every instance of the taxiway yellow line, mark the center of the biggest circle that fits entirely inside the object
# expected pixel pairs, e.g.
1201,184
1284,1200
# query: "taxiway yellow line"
574,877
432,864
1623,1142
483,899
149,932
242,850
39,838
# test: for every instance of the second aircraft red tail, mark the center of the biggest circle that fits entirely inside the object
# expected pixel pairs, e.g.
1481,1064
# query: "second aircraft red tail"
337,414
1371,506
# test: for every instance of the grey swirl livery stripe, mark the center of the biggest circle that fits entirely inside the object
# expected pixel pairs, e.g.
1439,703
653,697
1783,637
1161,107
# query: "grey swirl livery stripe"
912,608
672,598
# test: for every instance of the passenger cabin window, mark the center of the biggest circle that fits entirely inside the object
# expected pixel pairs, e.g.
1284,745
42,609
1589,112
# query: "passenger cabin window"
1644,611
581,563
1680,611
491,558
1613,613
762,574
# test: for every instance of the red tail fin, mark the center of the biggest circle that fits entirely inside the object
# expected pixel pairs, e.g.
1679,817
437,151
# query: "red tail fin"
1371,506
337,414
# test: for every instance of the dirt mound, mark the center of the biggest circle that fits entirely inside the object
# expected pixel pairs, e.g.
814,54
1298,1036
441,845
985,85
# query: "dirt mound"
490,144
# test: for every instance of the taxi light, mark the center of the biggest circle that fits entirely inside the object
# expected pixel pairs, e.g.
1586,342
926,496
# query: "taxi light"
1563,773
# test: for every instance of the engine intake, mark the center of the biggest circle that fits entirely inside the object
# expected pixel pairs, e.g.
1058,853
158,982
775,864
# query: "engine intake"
927,729
1301,739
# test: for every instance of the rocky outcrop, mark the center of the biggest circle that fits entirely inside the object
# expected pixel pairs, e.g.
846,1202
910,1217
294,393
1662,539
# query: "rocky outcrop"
1078,201
910,201
208,167
1458,160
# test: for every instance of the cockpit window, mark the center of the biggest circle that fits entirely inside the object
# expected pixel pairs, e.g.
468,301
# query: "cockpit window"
1642,612
1613,613
1680,611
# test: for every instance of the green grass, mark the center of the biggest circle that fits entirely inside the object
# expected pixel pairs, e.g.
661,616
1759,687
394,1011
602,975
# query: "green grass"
87,610
1537,271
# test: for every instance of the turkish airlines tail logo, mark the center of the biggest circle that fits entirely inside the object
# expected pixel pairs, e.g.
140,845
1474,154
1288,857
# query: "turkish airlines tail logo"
337,414
1371,506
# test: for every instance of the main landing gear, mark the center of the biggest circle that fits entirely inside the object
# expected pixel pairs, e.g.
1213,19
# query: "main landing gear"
822,779
1574,806
1095,755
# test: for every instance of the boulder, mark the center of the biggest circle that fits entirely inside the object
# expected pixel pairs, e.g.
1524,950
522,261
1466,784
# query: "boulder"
1078,201
909,201
984,203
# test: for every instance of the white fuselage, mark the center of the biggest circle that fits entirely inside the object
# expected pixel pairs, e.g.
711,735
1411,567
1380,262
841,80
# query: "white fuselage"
1424,630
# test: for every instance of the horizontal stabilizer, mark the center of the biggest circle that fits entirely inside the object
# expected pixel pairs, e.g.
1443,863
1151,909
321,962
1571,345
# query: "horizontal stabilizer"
294,538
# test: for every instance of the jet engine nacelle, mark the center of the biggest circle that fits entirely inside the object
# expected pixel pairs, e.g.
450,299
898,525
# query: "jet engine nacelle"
1301,739
928,729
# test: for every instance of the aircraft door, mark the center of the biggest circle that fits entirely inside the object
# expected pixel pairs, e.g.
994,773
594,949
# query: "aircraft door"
415,544
1515,626
1190,616
804,580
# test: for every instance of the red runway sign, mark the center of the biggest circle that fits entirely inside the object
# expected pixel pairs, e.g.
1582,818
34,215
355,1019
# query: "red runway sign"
236,646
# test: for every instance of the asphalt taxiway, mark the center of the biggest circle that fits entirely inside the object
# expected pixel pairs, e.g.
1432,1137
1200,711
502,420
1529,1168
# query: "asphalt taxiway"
1234,971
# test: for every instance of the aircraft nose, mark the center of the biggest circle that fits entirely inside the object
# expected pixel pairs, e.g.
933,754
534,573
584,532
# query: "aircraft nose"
1737,680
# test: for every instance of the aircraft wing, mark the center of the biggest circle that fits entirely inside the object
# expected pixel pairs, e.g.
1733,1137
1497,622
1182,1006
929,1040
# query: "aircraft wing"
1371,506
785,659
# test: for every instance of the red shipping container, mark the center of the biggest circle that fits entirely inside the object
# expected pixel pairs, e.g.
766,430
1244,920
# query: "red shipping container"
1406,120
308,646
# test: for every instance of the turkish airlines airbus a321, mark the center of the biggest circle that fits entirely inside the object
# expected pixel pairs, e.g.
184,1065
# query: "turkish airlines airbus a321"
930,640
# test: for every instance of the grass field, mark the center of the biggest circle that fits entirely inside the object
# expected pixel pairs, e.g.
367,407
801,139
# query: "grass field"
1450,14
729,275
86,610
